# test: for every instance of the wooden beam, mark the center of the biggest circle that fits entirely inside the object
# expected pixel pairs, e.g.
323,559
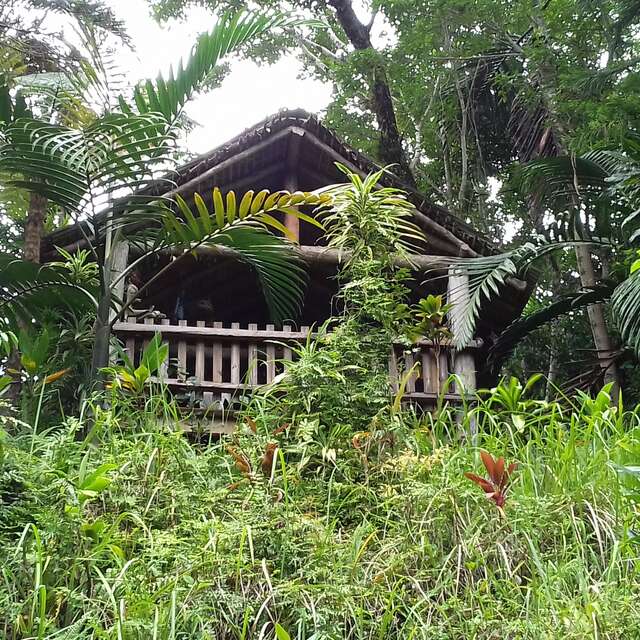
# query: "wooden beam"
326,256
223,333
322,256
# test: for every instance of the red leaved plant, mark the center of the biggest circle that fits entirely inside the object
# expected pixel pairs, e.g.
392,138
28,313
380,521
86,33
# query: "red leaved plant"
496,485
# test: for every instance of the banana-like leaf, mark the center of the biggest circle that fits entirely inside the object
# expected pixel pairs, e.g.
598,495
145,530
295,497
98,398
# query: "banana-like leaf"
625,307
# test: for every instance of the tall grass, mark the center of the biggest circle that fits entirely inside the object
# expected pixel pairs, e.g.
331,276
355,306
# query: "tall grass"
133,531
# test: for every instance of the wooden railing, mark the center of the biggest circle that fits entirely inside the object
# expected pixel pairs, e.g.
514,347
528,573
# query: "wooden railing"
221,362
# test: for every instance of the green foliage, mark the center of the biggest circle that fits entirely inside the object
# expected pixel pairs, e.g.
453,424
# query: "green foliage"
340,381
28,290
84,169
368,221
132,379
80,268
430,313
135,531
168,96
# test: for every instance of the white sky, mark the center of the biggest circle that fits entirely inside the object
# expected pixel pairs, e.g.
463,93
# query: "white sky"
247,95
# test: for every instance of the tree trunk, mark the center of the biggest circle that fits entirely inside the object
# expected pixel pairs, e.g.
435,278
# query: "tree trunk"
553,369
390,147
547,82
33,227
100,355
31,252
595,312
115,263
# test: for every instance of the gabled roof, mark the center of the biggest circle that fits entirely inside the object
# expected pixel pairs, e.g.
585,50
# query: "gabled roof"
294,142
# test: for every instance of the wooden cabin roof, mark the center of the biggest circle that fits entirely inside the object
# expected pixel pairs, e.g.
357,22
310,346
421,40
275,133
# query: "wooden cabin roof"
296,142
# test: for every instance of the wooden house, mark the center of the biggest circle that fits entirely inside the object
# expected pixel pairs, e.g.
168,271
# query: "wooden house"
217,324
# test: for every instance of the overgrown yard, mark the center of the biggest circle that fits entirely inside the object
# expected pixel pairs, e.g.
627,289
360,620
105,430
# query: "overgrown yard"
138,532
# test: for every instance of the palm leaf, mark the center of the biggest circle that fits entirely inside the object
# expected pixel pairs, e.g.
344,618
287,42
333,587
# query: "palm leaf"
280,271
625,308
27,289
487,275
509,339
194,228
278,267
168,95
79,169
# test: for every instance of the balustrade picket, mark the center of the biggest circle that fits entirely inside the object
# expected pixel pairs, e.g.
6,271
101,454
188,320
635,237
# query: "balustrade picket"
219,362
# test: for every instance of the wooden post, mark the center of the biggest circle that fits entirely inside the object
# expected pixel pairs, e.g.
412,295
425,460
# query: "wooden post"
235,358
291,222
252,359
200,355
287,354
464,365
182,374
118,263
163,373
271,357
216,354
131,342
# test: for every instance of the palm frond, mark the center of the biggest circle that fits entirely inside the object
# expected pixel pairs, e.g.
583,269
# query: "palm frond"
80,169
625,308
487,276
190,227
168,96
556,179
509,339
26,289
280,271
241,225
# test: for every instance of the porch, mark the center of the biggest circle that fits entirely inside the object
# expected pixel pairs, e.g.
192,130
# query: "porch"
213,365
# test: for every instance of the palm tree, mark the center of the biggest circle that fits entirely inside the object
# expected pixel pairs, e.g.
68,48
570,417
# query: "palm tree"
607,183
40,65
109,176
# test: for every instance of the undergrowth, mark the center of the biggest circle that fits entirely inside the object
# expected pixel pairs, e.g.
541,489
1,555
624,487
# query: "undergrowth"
136,532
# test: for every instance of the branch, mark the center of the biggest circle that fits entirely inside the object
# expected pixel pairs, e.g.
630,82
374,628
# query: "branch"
423,118
374,15
390,146
306,43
